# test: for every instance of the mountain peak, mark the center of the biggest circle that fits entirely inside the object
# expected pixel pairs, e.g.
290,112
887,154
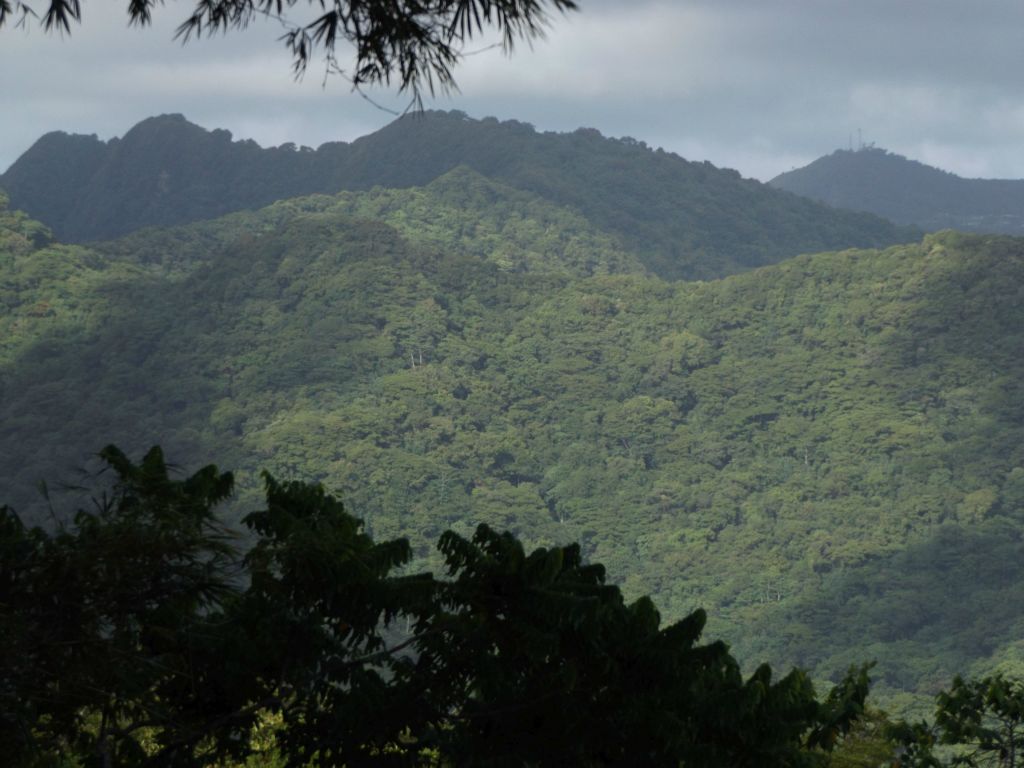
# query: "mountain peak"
171,127
168,118
909,192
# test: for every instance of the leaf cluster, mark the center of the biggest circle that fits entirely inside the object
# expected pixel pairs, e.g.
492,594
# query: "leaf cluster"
978,722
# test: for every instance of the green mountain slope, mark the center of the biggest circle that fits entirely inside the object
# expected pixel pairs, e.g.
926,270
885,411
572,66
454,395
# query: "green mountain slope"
827,453
909,192
683,219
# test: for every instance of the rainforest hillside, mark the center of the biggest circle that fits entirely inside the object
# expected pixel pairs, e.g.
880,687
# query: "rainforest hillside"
682,219
826,453
909,192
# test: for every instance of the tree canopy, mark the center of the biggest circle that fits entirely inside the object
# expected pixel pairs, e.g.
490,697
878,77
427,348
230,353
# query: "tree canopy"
827,455
143,634
978,723
416,44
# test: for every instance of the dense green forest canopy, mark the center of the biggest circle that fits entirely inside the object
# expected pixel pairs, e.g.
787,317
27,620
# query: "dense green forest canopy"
682,219
909,192
826,454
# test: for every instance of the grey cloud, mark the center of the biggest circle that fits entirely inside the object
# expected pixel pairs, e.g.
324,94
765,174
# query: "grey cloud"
760,85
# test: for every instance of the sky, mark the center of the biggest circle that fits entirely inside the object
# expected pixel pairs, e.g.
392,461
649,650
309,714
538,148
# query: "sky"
762,86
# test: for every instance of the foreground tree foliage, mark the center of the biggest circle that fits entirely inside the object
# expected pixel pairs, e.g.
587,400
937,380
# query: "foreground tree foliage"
978,723
140,635
869,744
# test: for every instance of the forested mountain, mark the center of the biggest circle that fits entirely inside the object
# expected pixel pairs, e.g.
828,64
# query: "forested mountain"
909,192
683,219
826,453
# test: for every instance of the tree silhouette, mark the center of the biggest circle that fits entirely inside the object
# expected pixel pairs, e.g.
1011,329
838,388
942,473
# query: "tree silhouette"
139,636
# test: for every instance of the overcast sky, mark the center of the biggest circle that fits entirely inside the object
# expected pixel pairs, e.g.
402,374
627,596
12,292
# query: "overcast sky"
762,86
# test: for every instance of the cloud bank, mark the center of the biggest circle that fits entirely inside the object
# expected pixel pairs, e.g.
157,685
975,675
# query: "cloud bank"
758,85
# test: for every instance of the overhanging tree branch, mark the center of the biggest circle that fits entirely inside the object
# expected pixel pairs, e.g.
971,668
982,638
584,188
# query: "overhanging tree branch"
415,44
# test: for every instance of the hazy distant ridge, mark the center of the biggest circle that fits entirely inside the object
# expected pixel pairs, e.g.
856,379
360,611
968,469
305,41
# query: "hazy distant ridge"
683,219
909,192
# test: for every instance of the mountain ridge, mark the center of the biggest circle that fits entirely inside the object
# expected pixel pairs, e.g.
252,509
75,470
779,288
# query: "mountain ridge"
683,219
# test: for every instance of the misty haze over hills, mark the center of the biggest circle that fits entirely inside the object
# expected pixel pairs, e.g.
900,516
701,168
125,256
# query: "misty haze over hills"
908,192
683,219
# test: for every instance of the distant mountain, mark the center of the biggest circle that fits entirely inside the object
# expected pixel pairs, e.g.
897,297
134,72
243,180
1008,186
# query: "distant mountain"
909,192
683,219
164,171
